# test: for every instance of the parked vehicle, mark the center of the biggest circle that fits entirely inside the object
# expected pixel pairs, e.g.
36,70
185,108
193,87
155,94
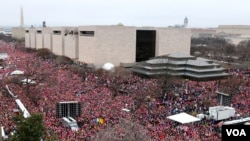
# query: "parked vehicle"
70,122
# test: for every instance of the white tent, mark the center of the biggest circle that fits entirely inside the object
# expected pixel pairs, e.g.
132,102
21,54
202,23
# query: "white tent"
28,81
17,72
125,109
183,118
3,55
200,116
108,66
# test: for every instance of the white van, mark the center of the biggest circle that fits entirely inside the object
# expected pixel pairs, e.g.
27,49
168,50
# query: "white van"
70,123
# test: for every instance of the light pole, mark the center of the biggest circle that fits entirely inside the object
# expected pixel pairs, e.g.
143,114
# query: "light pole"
148,105
1,136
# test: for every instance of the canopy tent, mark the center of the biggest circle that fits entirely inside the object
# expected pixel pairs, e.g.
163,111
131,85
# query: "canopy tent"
183,118
17,72
3,55
125,109
201,116
28,81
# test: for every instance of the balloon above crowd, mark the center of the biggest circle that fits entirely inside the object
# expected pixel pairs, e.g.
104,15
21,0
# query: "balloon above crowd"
108,67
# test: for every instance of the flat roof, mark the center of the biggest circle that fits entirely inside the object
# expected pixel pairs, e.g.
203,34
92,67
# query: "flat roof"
236,121
183,118
180,55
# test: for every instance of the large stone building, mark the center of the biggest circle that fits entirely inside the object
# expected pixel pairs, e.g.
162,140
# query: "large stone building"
234,29
203,32
233,33
119,45
18,33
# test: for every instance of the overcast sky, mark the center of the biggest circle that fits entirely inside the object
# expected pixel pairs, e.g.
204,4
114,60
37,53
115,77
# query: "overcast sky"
200,13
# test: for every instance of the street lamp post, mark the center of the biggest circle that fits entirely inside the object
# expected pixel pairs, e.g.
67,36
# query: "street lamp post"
148,105
1,136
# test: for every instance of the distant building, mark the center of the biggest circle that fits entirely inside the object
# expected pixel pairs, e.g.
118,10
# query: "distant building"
18,32
119,45
184,25
234,29
5,31
185,22
203,33
234,33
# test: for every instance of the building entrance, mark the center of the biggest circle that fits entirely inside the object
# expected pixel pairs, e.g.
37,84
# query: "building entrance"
145,44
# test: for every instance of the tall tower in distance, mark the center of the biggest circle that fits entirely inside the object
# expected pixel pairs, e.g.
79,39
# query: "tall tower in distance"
185,22
21,17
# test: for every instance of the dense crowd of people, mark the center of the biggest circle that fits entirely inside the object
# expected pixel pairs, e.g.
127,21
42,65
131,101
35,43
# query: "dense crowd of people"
95,92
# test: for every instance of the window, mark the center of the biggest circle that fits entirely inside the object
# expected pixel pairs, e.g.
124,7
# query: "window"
87,33
27,31
75,32
39,31
57,32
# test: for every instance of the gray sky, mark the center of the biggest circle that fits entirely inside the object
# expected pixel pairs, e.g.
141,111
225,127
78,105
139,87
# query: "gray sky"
200,13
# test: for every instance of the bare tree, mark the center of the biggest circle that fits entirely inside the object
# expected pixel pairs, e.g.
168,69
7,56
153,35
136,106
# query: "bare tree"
243,49
63,60
34,74
45,53
231,85
118,81
125,130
